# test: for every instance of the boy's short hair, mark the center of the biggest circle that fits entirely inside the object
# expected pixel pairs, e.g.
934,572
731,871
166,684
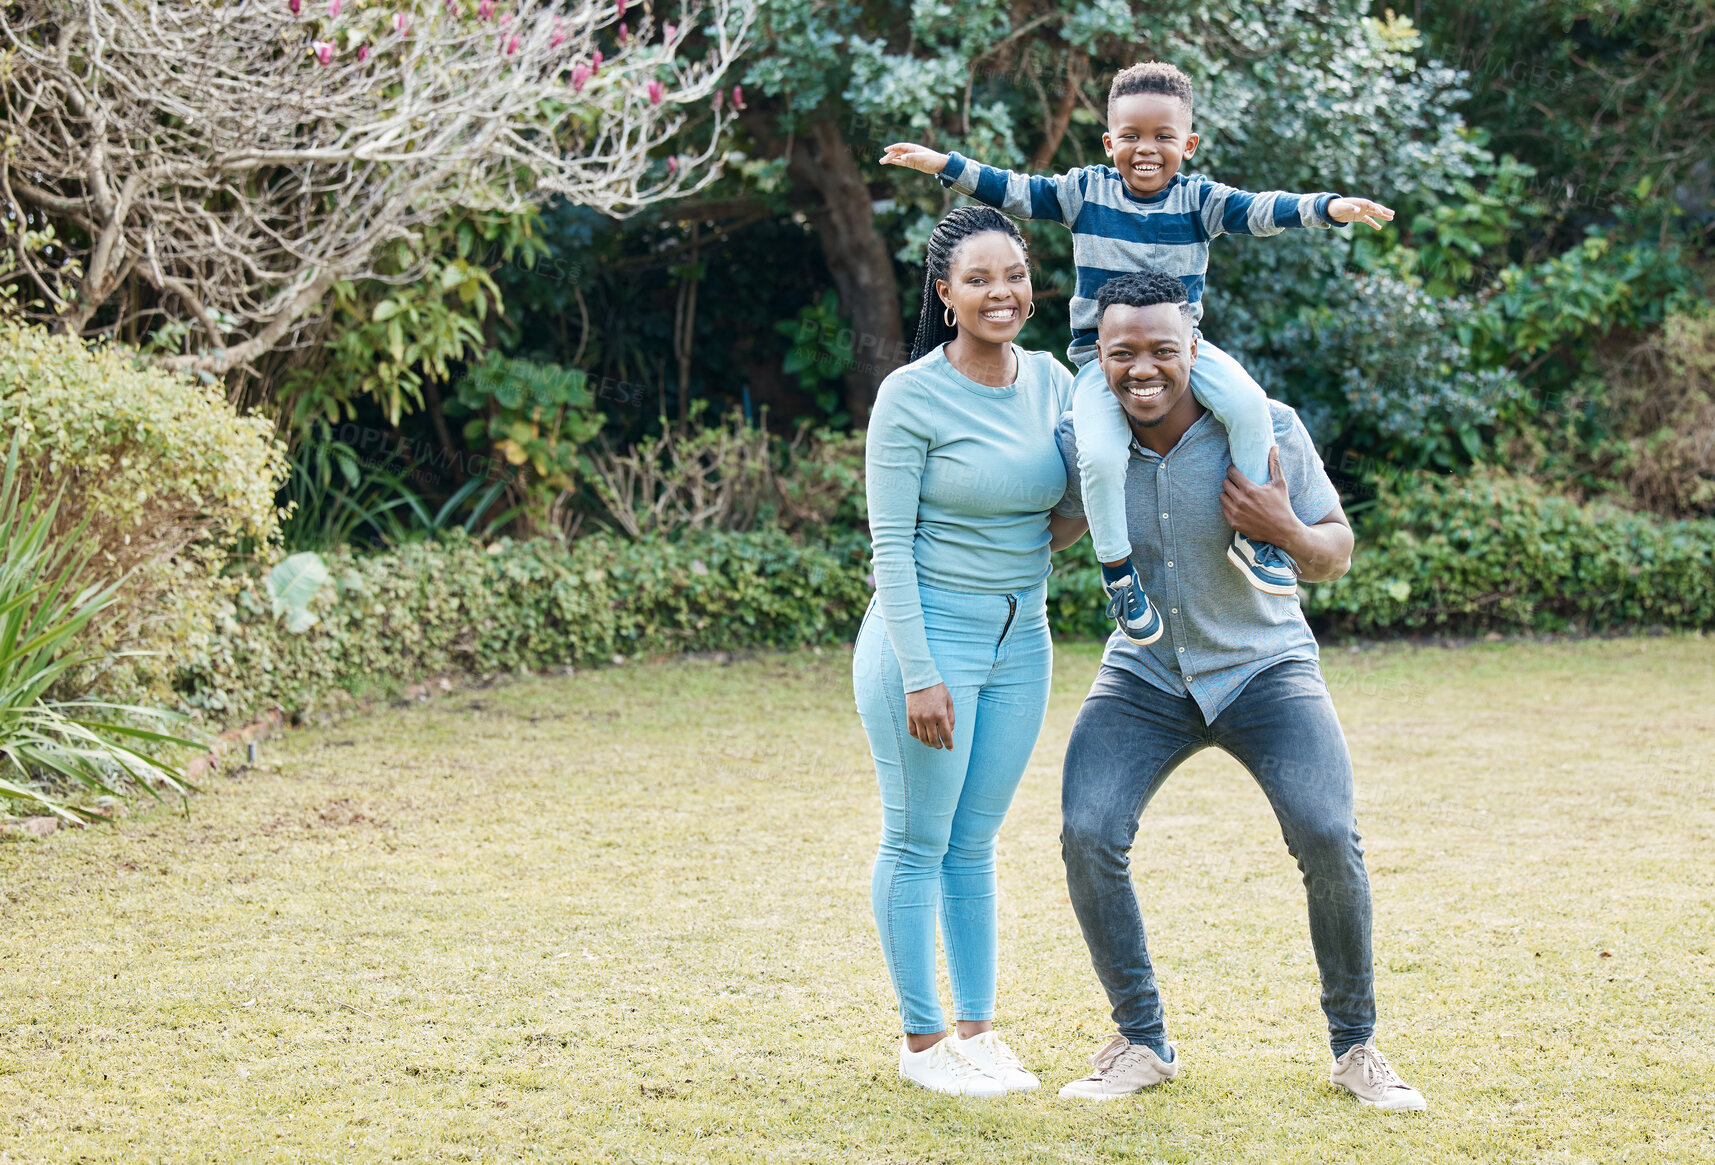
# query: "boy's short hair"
1144,287
1151,77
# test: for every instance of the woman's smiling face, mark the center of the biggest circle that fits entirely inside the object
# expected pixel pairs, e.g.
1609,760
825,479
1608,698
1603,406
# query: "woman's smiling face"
988,287
1149,137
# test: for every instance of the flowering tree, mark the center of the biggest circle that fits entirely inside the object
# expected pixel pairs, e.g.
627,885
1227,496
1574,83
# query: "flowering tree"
222,165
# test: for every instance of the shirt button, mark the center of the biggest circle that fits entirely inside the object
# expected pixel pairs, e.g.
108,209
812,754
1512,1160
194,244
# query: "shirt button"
1169,564
1181,651
1176,610
1164,517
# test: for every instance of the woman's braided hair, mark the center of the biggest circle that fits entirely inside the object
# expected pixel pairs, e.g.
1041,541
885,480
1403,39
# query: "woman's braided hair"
959,225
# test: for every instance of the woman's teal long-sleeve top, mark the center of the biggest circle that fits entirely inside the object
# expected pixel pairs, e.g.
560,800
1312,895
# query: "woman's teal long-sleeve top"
960,477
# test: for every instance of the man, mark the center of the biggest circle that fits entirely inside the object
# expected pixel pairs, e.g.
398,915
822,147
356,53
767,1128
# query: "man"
1237,670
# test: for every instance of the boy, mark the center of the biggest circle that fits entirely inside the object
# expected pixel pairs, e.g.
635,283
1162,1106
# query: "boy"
1143,210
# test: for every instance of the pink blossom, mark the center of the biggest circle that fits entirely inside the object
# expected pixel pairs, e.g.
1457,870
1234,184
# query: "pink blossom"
595,63
505,18
669,31
511,44
362,53
333,9
485,9
624,34
295,5
619,12
559,34
673,164
656,92
717,101
324,51
401,25
737,97
453,9
580,76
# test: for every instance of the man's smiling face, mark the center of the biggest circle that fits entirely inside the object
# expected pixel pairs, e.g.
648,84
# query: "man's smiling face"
1149,137
1146,355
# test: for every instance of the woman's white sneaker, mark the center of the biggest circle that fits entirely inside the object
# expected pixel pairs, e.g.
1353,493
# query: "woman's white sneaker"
994,1057
946,1068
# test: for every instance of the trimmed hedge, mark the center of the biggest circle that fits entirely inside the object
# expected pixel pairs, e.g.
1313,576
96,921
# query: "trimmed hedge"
1487,552
453,606
1496,552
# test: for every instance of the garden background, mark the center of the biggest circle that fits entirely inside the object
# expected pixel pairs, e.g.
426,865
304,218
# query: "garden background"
466,420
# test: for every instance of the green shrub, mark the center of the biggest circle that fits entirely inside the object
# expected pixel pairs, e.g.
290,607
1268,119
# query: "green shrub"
49,744
533,415
453,606
1076,606
731,475
1496,552
1380,370
161,475
1652,400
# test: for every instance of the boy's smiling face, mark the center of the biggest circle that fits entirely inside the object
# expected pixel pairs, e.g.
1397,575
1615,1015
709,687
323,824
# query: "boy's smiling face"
1149,136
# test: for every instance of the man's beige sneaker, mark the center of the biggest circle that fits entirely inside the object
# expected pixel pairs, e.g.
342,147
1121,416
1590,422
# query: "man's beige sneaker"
1122,1068
1365,1073
994,1057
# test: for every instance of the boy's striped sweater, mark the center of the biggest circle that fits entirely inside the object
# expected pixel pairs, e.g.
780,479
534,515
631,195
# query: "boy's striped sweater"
1115,232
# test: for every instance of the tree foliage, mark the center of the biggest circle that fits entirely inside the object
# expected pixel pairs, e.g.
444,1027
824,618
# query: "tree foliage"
1303,94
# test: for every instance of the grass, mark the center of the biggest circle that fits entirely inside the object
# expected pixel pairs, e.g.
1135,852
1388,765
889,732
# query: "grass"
623,916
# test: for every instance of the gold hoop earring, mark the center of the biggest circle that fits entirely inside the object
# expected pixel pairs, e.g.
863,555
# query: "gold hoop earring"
948,316
1032,310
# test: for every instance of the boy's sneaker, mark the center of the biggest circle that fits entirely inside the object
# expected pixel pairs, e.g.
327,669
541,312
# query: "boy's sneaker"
1265,566
1122,1068
946,1068
992,1055
1365,1073
1129,607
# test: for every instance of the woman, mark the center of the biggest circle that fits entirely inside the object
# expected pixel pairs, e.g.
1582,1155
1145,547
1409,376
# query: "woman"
952,664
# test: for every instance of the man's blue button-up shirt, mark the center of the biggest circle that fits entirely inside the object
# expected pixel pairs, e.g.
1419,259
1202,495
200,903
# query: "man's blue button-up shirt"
1221,631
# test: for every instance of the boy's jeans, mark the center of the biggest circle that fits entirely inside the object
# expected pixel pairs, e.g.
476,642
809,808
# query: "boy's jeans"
940,810
1104,438
1128,737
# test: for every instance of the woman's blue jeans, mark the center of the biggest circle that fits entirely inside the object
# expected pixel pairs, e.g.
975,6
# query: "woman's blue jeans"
941,810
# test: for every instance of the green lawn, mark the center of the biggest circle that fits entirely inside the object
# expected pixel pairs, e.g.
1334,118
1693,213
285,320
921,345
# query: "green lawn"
624,916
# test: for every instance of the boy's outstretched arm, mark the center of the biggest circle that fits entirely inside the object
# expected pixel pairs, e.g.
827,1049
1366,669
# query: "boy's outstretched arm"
1227,210
1056,199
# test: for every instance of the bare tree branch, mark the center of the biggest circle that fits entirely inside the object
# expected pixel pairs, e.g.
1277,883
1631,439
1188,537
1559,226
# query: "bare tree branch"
241,158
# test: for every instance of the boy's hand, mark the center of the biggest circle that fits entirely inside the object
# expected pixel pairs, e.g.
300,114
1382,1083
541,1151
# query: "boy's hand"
1353,209
923,158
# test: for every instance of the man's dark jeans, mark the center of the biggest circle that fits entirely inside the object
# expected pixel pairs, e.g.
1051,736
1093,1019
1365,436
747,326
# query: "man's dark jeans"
1129,736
